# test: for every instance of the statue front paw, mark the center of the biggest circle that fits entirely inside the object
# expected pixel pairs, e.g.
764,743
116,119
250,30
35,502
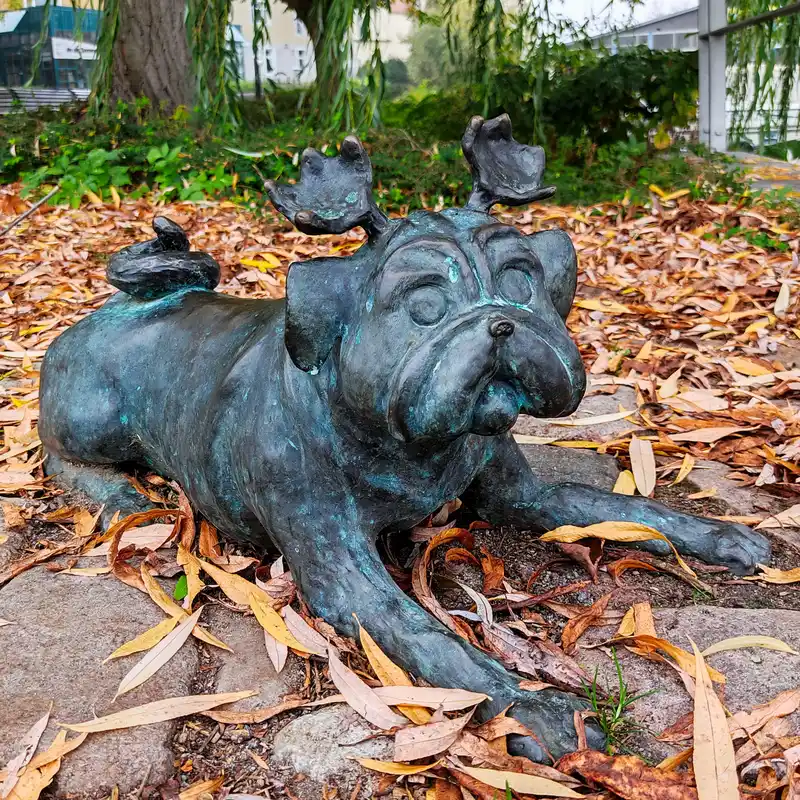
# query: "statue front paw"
550,715
739,548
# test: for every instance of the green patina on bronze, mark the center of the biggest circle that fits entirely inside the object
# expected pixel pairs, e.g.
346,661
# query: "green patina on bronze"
385,385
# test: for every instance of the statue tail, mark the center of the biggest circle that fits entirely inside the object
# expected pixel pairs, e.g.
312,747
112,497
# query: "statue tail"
162,266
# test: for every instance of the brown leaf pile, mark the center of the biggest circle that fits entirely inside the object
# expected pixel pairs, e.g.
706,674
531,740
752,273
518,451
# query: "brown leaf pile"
702,329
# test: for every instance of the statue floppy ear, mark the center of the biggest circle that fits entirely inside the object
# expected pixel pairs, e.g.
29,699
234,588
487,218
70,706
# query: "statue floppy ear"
560,262
319,294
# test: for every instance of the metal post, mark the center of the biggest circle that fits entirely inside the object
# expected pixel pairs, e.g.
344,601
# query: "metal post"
711,17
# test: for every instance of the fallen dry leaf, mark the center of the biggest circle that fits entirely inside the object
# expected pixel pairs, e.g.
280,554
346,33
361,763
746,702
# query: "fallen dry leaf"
613,531
27,748
739,642
389,674
713,758
144,641
421,741
578,625
625,483
255,716
746,723
393,768
159,655
271,621
773,575
643,464
201,789
628,776
158,711
524,784
360,697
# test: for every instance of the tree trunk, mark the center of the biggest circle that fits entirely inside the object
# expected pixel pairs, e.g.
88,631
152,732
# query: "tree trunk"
151,54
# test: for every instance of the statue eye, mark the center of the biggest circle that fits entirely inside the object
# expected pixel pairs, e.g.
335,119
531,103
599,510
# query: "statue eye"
427,305
515,286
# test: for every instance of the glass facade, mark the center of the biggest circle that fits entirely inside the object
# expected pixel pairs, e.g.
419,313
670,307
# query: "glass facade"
68,37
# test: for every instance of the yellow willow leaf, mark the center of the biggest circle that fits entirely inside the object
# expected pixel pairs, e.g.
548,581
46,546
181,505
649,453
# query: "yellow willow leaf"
93,197
747,367
645,624
393,768
158,595
772,575
32,782
625,483
613,531
657,190
272,622
672,763
519,782
628,625
158,711
683,659
609,306
783,300
600,419
191,568
738,642
144,641
169,606
234,586
687,465
59,748
159,655
117,200
643,464
389,674
713,758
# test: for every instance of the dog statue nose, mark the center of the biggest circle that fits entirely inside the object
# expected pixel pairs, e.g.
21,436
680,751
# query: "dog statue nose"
500,328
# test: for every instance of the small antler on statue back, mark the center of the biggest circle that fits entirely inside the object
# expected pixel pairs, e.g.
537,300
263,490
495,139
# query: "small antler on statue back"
503,170
333,194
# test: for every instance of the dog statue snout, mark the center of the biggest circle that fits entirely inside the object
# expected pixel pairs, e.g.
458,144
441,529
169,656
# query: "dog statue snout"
501,328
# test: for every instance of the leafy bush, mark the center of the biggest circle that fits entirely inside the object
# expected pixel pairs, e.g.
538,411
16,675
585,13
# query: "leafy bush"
605,98
134,153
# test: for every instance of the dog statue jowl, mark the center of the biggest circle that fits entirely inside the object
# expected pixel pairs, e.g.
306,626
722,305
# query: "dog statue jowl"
385,385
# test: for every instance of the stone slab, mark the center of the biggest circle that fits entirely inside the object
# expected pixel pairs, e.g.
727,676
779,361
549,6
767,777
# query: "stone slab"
320,746
248,666
753,675
64,627
555,464
593,405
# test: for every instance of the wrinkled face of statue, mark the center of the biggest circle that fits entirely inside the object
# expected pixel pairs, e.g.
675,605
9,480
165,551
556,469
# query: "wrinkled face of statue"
455,330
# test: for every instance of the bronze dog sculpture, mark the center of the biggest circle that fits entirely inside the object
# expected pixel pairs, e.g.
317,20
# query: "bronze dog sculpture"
385,385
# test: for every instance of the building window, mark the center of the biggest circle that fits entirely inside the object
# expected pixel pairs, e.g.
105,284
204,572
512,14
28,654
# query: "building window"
299,28
269,61
299,61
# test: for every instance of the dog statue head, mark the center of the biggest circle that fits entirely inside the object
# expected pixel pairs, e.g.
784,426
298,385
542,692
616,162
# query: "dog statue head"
442,323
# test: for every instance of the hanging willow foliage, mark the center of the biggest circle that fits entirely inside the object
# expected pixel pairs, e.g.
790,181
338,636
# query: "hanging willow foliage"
764,63
214,61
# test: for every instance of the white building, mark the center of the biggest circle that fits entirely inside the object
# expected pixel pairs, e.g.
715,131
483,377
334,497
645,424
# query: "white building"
288,57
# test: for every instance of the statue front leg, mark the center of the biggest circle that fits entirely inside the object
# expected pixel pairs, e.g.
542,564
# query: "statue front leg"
507,492
341,577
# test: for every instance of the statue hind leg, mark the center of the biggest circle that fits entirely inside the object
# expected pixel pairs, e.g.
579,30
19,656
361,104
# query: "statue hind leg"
104,484
82,429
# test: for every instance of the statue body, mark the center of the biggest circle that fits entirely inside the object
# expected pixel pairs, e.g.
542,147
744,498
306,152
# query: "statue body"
385,385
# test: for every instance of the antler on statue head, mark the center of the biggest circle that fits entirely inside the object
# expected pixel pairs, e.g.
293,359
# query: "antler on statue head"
333,194
503,170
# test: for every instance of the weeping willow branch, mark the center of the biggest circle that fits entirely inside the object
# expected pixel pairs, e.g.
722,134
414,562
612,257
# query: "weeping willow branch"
215,81
104,58
765,66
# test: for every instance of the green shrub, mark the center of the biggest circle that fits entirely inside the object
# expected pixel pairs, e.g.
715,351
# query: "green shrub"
134,152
